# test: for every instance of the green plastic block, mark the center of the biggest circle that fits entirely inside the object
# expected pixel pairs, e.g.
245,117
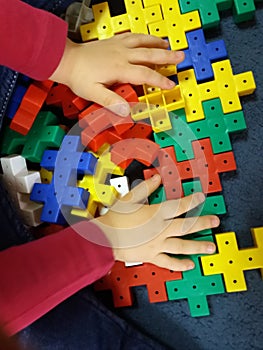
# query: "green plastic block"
208,10
44,134
243,10
195,287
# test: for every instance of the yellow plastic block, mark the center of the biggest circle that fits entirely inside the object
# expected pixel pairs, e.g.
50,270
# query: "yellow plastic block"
226,86
156,106
174,24
103,27
232,262
46,176
139,17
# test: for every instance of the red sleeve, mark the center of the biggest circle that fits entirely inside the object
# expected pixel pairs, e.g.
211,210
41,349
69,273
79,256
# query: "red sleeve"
32,41
37,276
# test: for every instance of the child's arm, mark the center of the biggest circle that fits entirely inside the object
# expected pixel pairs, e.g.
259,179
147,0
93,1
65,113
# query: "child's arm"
37,276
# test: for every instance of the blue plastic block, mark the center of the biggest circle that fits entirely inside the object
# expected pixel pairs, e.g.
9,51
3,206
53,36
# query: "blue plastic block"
201,55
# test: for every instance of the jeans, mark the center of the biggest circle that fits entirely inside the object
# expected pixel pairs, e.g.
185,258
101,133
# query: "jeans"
82,321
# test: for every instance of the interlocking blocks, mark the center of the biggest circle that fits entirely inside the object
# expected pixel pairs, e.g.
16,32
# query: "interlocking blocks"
121,279
200,55
226,86
195,287
19,182
206,166
232,262
216,125
45,133
30,106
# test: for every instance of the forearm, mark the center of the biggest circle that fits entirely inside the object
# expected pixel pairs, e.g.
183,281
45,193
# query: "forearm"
37,276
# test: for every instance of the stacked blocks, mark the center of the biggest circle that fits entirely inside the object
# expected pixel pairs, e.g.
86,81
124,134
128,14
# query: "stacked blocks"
184,134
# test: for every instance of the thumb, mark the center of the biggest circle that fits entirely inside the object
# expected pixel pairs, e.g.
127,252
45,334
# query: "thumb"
110,100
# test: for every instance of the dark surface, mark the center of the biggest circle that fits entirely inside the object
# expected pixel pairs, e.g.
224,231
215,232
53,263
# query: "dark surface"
236,320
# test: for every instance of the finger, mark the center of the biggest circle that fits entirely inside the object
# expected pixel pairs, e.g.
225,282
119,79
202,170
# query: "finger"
176,207
109,99
187,247
141,192
155,56
133,40
170,263
138,75
186,226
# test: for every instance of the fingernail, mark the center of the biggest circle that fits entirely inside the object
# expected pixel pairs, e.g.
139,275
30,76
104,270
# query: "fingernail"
122,110
215,221
171,83
155,178
190,266
200,197
179,55
210,248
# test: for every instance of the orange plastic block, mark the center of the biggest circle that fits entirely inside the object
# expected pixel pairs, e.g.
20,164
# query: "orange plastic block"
232,262
121,279
206,166
30,106
60,95
125,151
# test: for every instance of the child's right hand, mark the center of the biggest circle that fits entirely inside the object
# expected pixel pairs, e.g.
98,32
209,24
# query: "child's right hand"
148,233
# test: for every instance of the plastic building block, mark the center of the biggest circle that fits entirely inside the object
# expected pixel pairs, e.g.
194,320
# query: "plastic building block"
19,91
99,118
200,55
226,86
232,262
121,185
195,287
60,95
206,166
125,151
100,191
216,125
208,10
156,106
30,106
19,182
122,278
45,133
174,24
243,10
136,20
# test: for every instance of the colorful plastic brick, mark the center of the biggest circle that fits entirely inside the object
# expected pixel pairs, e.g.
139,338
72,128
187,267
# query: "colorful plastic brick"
243,10
200,55
195,287
206,166
226,86
100,191
232,261
216,125
174,24
208,10
30,106
156,105
45,133
18,181
61,96
18,93
122,279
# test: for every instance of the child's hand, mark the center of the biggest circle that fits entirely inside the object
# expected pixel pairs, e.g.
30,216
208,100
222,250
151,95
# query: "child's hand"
90,68
147,233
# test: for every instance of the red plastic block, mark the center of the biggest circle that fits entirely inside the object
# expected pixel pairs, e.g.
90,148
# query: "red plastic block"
206,166
30,106
125,151
61,96
122,278
98,118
